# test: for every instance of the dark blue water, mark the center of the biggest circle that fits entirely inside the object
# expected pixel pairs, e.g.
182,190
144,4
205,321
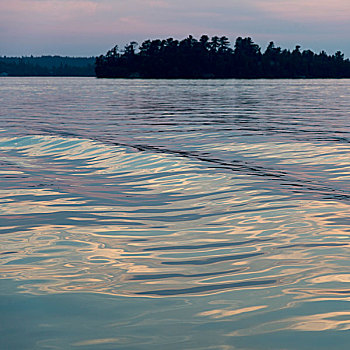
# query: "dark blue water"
174,214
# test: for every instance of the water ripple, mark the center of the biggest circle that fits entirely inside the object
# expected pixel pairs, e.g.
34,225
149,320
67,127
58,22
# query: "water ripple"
92,210
212,208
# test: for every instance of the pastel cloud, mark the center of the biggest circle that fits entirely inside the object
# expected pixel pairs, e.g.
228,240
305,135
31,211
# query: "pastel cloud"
313,10
48,7
92,26
33,12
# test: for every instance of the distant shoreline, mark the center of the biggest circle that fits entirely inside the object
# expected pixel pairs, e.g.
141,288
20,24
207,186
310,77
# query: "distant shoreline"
203,59
168,79
47,66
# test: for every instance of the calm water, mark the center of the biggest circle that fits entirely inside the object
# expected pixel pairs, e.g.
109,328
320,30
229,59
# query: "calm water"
174,214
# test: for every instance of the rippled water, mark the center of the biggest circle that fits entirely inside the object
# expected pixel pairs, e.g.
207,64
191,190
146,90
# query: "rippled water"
174,214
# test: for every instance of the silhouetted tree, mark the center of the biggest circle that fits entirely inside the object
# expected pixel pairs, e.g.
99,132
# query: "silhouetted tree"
214,58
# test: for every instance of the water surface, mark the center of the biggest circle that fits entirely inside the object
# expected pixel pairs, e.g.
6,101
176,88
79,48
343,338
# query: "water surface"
174,214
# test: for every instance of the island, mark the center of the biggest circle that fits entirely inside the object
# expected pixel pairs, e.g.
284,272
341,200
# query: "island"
213,57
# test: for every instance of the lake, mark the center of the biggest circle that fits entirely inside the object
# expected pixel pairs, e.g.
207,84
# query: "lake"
174,214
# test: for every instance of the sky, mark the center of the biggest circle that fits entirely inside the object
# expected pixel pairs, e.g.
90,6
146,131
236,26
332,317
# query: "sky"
91,27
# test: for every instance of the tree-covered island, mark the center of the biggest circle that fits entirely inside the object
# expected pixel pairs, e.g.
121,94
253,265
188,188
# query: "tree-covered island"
214,58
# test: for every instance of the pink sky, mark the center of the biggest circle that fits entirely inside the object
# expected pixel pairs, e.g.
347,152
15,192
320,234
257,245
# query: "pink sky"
90,27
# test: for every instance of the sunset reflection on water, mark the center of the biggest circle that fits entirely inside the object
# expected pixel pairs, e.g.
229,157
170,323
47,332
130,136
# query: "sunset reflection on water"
149,231
251,246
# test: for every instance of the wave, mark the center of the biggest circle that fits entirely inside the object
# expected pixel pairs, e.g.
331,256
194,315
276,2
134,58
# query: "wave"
83,216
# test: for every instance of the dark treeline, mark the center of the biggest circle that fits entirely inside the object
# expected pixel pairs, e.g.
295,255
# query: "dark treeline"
47,66
214,58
